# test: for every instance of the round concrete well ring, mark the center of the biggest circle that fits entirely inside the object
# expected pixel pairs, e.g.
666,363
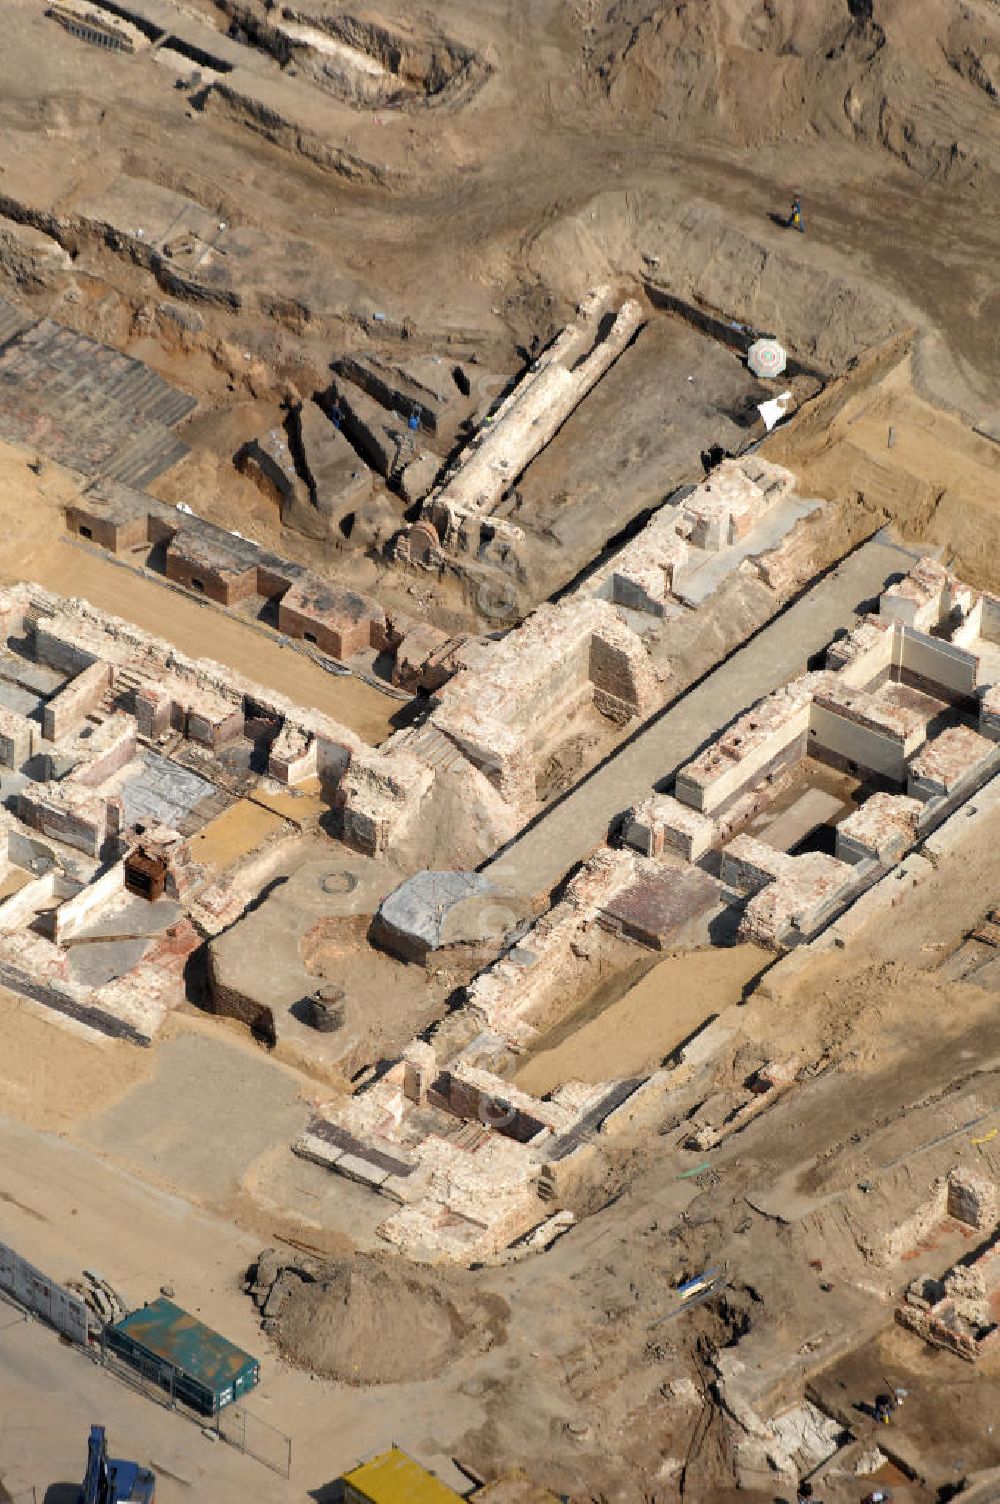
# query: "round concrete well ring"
341,880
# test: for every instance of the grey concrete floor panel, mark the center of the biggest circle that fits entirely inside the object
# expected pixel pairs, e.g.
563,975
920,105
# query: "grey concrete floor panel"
15,697
133,916
161,790
98,964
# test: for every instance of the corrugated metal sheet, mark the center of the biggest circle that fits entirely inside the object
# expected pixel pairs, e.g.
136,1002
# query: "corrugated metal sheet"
394,1478
166,1332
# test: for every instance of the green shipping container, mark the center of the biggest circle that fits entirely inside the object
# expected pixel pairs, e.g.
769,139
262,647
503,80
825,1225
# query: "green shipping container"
184,1356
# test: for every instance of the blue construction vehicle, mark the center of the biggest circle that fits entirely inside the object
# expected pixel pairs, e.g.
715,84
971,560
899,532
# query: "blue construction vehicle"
111,1480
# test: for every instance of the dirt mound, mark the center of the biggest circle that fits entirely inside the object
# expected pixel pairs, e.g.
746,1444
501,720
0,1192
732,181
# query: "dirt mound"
378,1320
821,308
941,485
919,78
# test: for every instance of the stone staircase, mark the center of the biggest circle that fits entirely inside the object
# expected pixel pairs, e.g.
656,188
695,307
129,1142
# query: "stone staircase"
154,450
429,746
120,694
546,1185
469,1136
104,413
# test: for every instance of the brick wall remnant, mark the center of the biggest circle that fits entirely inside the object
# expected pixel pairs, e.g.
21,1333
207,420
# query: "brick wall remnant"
723,509
68,812
380,796
662,822
17,738
972,1198
70,707
511,704
881,829
339,622
956,755
419,1070
625,682
214,563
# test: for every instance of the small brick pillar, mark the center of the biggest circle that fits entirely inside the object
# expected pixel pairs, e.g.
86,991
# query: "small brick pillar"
419,1068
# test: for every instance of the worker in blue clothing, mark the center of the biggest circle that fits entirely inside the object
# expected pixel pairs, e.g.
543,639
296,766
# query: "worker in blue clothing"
885,1406
795,221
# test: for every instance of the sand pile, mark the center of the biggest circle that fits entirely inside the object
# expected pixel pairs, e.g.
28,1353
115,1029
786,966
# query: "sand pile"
373,1319
938,483
919,78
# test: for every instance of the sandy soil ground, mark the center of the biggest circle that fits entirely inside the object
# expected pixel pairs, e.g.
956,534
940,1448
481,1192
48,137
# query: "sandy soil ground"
51,1075
896,455
205,633
632,1037
654,146
238,831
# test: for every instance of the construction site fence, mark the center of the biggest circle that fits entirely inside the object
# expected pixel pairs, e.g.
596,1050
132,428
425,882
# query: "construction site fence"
256,1437
155,1379
33,1290
234,1424
28,1291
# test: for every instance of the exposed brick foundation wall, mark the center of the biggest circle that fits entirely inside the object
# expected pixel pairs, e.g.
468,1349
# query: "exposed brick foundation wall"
72,704
225,590
624,683
228,1003
117,537
339,641
18,981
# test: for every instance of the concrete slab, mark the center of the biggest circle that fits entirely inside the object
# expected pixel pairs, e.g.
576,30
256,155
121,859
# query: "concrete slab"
426,911
310,1146
812,809
11,785
362,1170
37,677
96,965
15,697
204,1116
160,790
132,916
95,961
705,572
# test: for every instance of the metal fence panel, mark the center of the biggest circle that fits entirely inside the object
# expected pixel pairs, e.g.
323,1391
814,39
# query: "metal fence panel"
257,1438
63,1310
154,1379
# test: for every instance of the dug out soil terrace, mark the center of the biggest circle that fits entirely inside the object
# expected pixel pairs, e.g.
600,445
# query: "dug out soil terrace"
497,843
